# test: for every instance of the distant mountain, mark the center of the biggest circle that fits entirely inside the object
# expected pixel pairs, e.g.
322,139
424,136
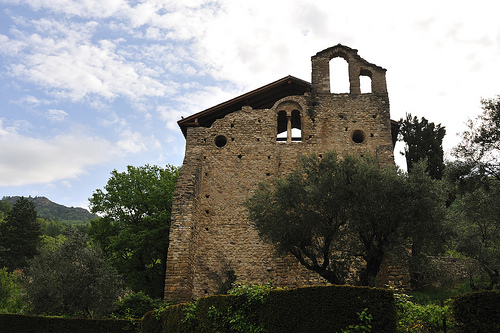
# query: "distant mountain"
52,211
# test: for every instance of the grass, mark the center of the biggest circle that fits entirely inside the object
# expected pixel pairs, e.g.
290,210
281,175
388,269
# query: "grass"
433,295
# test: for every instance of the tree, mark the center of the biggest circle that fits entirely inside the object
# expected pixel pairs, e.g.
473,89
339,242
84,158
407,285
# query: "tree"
479,149
427,226
4,209
477,173
331,211
19,235
134,228
73,279
480,238
10,292
423,141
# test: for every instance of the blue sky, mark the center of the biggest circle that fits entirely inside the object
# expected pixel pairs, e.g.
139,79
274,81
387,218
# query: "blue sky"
89,86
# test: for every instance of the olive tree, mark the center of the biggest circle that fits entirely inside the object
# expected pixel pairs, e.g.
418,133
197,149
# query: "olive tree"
332,211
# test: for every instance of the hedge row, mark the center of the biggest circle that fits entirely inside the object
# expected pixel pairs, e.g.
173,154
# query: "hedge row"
477,312
36,324
302,310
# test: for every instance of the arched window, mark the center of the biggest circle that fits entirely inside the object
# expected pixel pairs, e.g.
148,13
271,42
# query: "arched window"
282,127
339,76
296,126
365,84
289,126
365,81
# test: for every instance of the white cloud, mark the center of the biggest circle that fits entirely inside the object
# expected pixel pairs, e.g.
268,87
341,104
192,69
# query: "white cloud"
63,61
9,46
28,160
79,71
195,101
83,8
56,115
135,142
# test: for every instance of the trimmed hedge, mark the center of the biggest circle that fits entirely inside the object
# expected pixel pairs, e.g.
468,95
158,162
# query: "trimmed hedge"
36,324
477,312
302,310
328,309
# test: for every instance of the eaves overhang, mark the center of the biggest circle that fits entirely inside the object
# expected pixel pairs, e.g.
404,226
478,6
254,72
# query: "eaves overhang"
261,98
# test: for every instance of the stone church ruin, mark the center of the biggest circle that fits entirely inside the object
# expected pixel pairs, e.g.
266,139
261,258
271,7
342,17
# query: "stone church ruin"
256,137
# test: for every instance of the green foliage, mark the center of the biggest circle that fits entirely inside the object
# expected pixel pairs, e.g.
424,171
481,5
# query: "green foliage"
136,305
35,324
19,235
72,280
477,312
242,317
431,295
227,284
413,317
302,310
51,228
135,207
478,151
364,325
4,209
51,243
10,292
331,211
480,236
427,226
423,142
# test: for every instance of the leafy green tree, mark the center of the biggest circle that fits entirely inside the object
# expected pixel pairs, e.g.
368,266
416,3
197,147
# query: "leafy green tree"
477,173
19,235
428,227
135,305
333,210
10,292
4,209
72,279
51,228
480,238
479,149
423,141
134,228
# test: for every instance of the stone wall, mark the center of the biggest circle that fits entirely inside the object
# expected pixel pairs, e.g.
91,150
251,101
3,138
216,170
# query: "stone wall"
223,164
450,272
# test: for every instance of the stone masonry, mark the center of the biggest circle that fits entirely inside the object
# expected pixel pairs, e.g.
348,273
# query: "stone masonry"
232,147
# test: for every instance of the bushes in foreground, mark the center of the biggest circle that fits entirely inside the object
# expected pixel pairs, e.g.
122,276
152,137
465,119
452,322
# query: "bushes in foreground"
35,324
419,318
477,312
302,310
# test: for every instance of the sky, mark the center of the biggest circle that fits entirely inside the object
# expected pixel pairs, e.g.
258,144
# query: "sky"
91,86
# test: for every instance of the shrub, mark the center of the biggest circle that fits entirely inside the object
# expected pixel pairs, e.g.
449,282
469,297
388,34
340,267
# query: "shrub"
418,318
364,325
477,312
328,309
136,305
259,309
35,324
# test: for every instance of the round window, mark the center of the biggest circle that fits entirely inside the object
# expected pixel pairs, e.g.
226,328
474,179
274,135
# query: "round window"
220,141
358,136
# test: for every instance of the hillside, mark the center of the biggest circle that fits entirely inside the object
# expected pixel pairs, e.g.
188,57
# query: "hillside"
52,211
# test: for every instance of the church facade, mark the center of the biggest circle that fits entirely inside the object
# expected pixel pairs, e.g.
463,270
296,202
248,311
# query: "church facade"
257,137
